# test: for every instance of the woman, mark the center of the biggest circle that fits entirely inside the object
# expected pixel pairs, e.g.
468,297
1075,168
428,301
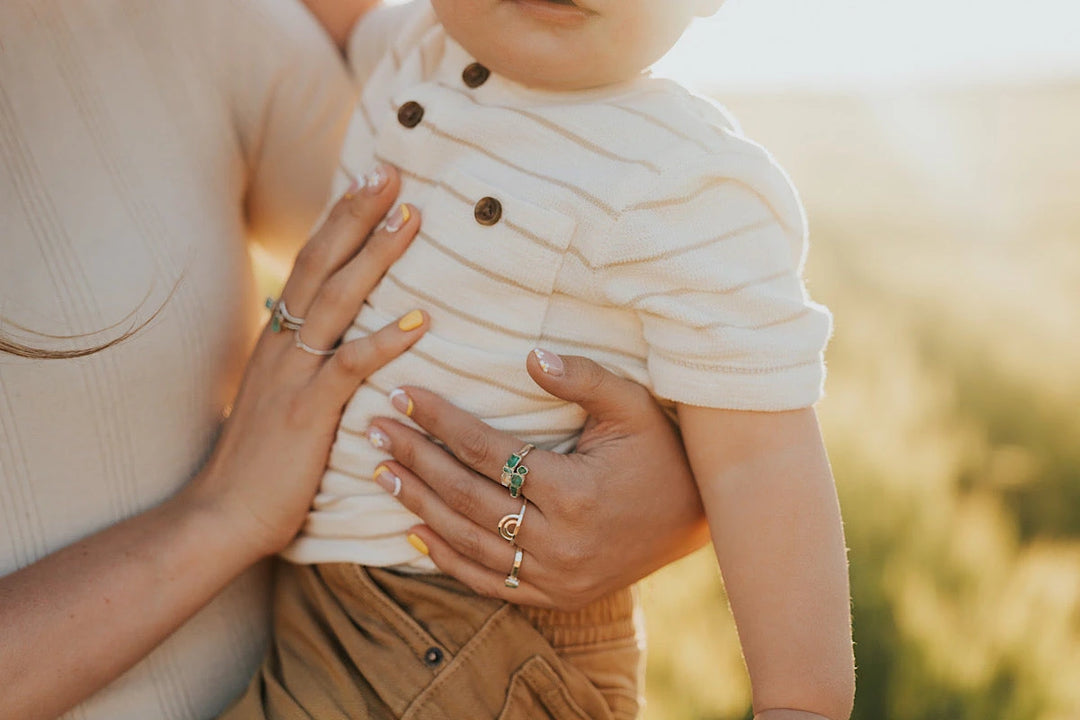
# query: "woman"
142,147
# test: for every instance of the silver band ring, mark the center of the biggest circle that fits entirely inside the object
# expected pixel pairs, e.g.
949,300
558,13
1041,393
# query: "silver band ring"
308,349
511,524
514,470
280,317
512,580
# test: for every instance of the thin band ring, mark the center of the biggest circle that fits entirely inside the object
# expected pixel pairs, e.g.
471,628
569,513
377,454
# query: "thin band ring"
280,317
512,580
308,349
514,470
511,524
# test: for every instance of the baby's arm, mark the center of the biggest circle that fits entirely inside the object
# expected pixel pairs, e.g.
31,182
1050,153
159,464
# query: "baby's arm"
775,520
339,16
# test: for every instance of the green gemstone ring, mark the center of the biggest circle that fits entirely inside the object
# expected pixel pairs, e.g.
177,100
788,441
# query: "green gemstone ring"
280,317
514,471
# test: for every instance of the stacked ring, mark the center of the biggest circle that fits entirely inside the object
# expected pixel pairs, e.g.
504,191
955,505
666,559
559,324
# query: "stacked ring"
511,524
280,317
514,471
512,580
308,349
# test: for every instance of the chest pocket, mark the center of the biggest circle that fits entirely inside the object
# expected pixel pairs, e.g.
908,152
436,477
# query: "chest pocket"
484,263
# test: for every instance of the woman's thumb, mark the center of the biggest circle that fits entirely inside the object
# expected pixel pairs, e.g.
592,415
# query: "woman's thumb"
599,392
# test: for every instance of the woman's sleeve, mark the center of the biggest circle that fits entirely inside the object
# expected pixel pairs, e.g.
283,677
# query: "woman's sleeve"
712,265
290,99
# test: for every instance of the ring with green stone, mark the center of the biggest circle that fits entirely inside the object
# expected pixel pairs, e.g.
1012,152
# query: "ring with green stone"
280,317
514,470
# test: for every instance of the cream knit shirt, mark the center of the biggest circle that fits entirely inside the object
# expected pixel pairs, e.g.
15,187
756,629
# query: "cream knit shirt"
142,143
634,225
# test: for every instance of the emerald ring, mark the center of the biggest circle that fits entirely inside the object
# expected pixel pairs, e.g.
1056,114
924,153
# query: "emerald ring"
514,470
280,317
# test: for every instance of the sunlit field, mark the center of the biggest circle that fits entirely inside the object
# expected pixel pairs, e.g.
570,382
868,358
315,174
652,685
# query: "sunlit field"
945,232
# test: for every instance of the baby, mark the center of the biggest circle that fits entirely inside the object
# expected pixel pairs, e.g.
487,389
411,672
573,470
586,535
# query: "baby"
572,201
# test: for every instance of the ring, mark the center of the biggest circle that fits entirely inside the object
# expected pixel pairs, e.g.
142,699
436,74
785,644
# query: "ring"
308,349
511,524
512,580
514,471
281,317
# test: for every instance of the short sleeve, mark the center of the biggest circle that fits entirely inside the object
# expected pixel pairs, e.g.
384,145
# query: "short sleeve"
712,266
290,96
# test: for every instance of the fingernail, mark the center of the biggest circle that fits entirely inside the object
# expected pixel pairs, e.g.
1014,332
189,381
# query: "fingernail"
401,400
419,544
378,439
398,218
411,321
350,192
550,363
387,480
375,180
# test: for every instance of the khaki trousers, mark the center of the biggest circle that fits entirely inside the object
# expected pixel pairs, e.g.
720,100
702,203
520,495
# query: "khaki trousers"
353,643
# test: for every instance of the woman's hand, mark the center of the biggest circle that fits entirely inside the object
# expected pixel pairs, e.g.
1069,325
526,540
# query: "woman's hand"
75,620
267,465
621,506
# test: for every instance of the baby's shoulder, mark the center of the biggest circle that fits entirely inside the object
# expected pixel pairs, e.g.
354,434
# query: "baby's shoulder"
704,155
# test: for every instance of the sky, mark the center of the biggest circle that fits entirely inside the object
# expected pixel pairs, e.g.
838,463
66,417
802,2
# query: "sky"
773,44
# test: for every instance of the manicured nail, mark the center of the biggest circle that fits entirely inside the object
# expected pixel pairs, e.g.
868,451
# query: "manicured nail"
550,363
375,180
398,218
411,321
378,439
387,480
419,544
401,400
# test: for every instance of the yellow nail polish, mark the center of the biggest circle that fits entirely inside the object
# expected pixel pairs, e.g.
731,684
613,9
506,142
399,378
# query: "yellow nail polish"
411,321
419,544
405,214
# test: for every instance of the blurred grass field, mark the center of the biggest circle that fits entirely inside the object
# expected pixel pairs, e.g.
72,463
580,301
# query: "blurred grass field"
945,236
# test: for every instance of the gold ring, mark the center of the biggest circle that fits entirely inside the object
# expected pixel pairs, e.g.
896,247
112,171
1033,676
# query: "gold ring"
514,471
512,580
511,524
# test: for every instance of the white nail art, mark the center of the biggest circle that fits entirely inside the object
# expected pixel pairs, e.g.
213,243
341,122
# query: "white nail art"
378,439
374,179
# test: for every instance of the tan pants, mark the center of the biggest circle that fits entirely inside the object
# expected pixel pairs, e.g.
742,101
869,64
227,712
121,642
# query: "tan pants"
352,643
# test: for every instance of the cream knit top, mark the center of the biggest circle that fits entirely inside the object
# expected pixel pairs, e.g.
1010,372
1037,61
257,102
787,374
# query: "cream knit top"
141,145
631,223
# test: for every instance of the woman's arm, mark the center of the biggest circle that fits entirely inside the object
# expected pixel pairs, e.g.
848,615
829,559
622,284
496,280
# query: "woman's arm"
621,506
75,620
775,522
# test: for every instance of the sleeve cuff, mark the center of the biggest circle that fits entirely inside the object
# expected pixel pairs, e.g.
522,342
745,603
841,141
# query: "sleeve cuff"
789,387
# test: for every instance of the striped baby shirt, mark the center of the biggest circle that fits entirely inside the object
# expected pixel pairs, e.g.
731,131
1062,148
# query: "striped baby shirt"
630,223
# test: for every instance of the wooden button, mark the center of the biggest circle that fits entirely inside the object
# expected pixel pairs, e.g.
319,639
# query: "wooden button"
410,114
475,75
488,211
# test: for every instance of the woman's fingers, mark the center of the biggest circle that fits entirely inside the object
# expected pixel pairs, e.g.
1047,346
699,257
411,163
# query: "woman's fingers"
482,544
449,488
346,228
473,442
354,361
339,299
480,579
